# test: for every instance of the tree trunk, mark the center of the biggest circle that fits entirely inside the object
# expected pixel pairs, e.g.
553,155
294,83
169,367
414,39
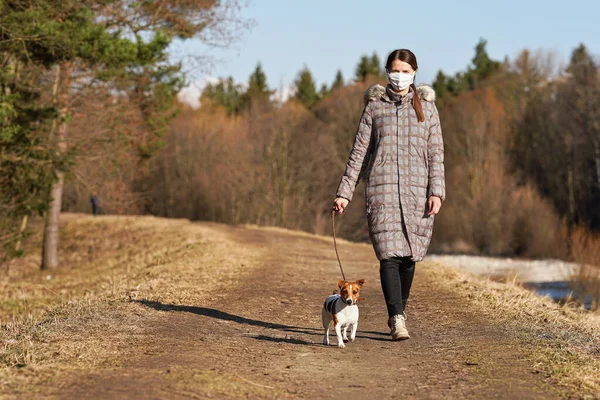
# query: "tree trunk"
50,245
596,141
571,192
283,172
21,230
50,252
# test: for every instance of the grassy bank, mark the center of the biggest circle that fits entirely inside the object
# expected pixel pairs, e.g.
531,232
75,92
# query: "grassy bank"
82,315
563,340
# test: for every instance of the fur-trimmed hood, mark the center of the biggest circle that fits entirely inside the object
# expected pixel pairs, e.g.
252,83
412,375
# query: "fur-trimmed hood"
376,91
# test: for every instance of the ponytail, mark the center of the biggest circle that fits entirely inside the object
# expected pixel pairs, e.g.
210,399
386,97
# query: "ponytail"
416,102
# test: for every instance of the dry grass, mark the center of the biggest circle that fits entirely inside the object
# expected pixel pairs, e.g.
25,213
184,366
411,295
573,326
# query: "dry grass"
326,238
82,316
585,249
585,246
564,341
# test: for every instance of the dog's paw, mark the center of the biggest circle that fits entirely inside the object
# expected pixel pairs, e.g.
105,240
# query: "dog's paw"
342,345
352,338
326,342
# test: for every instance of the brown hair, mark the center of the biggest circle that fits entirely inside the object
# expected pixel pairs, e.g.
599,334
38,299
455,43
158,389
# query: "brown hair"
408,57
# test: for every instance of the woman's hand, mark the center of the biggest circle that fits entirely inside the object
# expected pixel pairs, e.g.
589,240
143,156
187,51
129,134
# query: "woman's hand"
434,203
340,204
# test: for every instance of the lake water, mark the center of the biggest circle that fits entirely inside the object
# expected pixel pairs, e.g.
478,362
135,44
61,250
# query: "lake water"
558,291
545,277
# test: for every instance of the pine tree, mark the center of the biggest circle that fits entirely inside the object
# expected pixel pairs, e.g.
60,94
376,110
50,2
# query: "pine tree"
257,83
225,93
338,81
362,69
27,162
258,93
34,39
375,68
440,85
483,65
458,84
324,91
306,92
582,67
368,67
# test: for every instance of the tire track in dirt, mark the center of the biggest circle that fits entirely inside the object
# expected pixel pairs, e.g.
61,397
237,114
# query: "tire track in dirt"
262,339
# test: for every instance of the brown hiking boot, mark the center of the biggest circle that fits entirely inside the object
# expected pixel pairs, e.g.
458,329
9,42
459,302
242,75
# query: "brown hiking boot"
398,327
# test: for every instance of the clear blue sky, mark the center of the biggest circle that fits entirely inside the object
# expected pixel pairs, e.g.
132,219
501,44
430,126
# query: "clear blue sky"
328,35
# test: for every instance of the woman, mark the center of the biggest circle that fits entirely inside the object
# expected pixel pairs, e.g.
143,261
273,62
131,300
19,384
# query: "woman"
399,149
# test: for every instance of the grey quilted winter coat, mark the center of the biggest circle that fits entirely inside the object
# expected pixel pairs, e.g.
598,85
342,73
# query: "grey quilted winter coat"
402,161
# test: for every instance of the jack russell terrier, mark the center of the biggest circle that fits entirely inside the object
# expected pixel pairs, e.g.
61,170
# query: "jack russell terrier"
343,311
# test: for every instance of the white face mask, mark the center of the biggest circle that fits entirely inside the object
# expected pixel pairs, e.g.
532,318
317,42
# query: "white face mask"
400,80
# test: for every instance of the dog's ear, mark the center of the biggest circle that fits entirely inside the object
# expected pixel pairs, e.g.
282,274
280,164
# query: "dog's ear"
341,283
360,282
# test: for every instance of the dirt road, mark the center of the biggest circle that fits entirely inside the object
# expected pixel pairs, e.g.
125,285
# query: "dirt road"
262,339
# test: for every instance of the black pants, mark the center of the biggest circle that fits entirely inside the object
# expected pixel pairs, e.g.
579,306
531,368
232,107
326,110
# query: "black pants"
396,275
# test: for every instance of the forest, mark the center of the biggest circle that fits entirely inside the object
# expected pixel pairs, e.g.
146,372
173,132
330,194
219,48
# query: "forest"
88,104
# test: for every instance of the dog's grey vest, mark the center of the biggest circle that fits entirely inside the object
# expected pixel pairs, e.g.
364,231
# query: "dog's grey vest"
329,303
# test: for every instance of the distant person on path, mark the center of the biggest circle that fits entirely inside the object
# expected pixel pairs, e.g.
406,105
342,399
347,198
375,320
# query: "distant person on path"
399,150
95,203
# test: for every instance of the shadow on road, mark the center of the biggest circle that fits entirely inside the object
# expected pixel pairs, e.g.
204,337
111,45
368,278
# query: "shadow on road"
224,316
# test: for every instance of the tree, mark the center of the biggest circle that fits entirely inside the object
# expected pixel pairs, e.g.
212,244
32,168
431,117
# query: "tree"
368,66
226,93
458,84
582,67
324,91
118,43
26,160
375,68
258,93
338,82
557,144
482,65
362,69
582,95
36,38
306,92
440,85
257,83
482,68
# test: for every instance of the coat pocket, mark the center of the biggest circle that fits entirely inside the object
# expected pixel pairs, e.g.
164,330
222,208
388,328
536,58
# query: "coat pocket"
424,226
376,213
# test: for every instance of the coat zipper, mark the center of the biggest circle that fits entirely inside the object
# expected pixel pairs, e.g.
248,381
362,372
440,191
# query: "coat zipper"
402,211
